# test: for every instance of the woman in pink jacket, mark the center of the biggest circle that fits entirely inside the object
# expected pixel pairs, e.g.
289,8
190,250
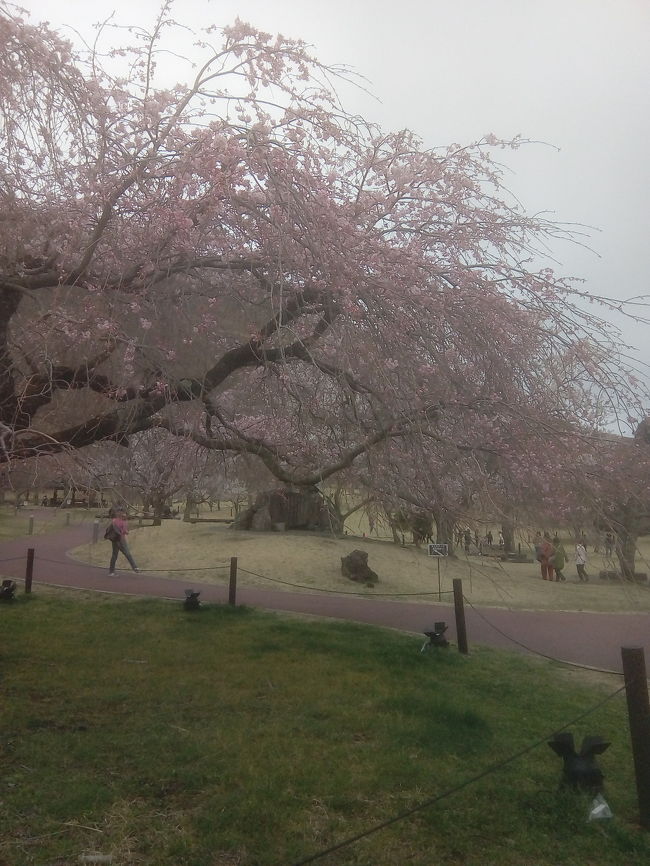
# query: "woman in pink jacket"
120,529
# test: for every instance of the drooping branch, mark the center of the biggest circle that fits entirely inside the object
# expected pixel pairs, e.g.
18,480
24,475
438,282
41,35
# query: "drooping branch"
282,466
41,387
274,462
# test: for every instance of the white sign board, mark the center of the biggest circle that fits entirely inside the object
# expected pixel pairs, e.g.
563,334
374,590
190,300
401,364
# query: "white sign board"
437,549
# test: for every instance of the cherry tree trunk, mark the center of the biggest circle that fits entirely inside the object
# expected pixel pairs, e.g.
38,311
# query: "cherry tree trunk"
444,530
508,531
626,550
398,537
158,510
191,506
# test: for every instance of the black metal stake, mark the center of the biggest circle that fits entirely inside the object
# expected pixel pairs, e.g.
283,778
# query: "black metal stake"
638,710
459,608
29,570
232,586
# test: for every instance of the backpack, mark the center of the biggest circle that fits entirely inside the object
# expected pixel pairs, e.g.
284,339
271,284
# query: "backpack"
111,533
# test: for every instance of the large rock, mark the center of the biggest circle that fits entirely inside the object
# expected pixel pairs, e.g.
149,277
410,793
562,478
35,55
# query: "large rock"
355,567
261,520
286,508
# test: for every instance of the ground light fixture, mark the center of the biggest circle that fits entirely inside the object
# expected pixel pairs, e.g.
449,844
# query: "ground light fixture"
7,590
436,637
191,600
580,768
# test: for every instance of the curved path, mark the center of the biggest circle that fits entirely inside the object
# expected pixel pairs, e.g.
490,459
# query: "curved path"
592,639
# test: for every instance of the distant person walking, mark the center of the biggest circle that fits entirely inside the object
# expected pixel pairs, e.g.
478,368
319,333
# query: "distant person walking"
117,531
581,562
545,555
559,559
489,537
609,544
467,538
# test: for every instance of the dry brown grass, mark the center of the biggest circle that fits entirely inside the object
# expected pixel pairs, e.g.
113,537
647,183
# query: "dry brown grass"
312,562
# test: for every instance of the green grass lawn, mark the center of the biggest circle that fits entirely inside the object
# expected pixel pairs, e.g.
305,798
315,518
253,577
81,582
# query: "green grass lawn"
230,737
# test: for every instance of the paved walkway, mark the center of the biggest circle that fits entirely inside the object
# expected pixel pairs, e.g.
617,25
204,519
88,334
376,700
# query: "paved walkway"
592,639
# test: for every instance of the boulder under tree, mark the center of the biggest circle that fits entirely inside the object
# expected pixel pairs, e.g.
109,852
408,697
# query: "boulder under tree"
287,508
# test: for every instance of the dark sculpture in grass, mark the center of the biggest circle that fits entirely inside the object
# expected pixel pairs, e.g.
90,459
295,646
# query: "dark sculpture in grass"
8,590
580,768
191,600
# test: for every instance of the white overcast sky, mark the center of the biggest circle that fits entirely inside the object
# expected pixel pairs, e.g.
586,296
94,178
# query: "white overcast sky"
574,73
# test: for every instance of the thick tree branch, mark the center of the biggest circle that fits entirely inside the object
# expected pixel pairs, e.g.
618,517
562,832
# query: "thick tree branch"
40,387
114,426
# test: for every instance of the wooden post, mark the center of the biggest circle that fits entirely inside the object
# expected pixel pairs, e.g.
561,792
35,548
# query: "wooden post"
232,586
29,570
638,710
459,608
95,530
67,518
31,524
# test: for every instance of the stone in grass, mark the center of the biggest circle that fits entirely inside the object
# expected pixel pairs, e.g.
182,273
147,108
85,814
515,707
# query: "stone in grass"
355,567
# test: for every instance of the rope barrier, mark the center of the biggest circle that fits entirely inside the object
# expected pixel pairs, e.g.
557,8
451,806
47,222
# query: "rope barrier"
493,768
142,570
66,562
534,651
342,591
182,570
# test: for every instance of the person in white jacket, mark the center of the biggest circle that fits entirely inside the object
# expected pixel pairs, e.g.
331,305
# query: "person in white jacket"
581,561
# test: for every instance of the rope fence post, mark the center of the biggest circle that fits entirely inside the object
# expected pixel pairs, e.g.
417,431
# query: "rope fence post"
232,584
638,710
29,570
459,609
